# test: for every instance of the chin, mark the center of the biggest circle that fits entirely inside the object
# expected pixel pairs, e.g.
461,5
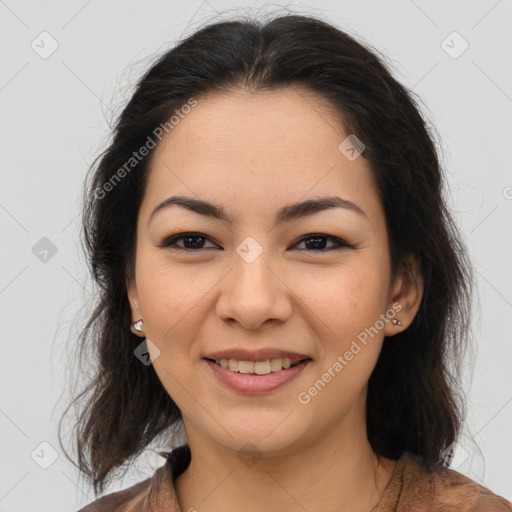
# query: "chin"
258,440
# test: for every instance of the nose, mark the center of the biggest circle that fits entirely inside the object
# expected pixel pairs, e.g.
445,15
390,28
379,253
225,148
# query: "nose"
254,293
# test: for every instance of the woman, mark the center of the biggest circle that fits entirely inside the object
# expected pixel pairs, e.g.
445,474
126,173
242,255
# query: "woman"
279,274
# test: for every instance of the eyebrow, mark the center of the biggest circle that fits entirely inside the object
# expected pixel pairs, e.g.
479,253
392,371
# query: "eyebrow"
287,213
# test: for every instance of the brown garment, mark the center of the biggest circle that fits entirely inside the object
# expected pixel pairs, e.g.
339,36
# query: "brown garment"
412,488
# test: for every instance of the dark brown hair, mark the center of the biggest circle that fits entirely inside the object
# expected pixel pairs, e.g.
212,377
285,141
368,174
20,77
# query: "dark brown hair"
414,397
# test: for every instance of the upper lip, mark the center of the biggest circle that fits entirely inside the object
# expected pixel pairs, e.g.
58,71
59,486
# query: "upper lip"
263,354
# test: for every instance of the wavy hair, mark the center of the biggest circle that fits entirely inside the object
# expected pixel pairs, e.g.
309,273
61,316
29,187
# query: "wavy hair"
415,401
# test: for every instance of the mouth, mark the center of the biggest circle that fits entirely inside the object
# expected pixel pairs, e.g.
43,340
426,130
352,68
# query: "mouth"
257,377
258,367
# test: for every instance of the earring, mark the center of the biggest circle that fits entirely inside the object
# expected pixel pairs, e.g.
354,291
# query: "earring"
397,322
138,326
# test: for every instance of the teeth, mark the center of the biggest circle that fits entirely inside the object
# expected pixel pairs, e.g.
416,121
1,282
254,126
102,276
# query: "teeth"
245,366
256,367
276,365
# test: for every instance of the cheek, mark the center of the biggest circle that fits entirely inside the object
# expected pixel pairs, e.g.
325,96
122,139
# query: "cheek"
344,300
343,306
171,294
171,303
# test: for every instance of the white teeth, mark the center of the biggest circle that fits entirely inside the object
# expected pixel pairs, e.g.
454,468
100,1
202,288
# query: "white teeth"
257,367
276,365
262,367
245,366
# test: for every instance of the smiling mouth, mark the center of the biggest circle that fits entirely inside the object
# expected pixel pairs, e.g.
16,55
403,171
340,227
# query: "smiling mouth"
257,367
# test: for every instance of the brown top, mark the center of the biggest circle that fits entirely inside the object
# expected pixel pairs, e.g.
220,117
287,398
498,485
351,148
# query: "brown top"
412,488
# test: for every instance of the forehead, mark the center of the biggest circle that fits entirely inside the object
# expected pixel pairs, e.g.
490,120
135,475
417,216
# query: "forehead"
265,147
289,124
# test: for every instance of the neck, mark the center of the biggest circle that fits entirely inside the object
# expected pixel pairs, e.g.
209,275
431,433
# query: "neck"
334,473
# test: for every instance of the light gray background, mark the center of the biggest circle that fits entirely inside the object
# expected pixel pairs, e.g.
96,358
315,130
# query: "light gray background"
53,123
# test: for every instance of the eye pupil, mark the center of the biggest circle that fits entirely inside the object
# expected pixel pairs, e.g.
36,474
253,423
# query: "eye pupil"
316,242
197,245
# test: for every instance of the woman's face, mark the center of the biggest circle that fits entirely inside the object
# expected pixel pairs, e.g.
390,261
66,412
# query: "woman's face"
249,283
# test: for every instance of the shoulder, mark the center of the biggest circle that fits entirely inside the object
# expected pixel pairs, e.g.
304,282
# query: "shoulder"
133,499
154,493
448,489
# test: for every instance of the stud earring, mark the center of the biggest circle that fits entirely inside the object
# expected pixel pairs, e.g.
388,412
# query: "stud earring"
138,326
397,322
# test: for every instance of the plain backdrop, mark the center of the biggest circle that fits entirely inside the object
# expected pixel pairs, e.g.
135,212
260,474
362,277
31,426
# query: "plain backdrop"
66,66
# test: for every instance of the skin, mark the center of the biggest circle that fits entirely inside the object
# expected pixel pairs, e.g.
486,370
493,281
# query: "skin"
253,153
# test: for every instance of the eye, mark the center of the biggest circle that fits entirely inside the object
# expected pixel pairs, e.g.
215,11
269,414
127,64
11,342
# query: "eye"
314,242
191,241
318,241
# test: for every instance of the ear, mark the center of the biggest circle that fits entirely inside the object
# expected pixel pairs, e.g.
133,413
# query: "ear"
133,299
406,294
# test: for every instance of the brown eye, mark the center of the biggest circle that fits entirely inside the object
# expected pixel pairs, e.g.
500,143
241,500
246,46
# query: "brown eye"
191,241
318,242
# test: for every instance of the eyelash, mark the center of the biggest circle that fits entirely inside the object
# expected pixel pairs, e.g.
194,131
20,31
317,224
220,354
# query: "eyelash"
170,242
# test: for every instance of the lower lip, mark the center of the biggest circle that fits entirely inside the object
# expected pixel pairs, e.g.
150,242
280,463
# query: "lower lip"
251,384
